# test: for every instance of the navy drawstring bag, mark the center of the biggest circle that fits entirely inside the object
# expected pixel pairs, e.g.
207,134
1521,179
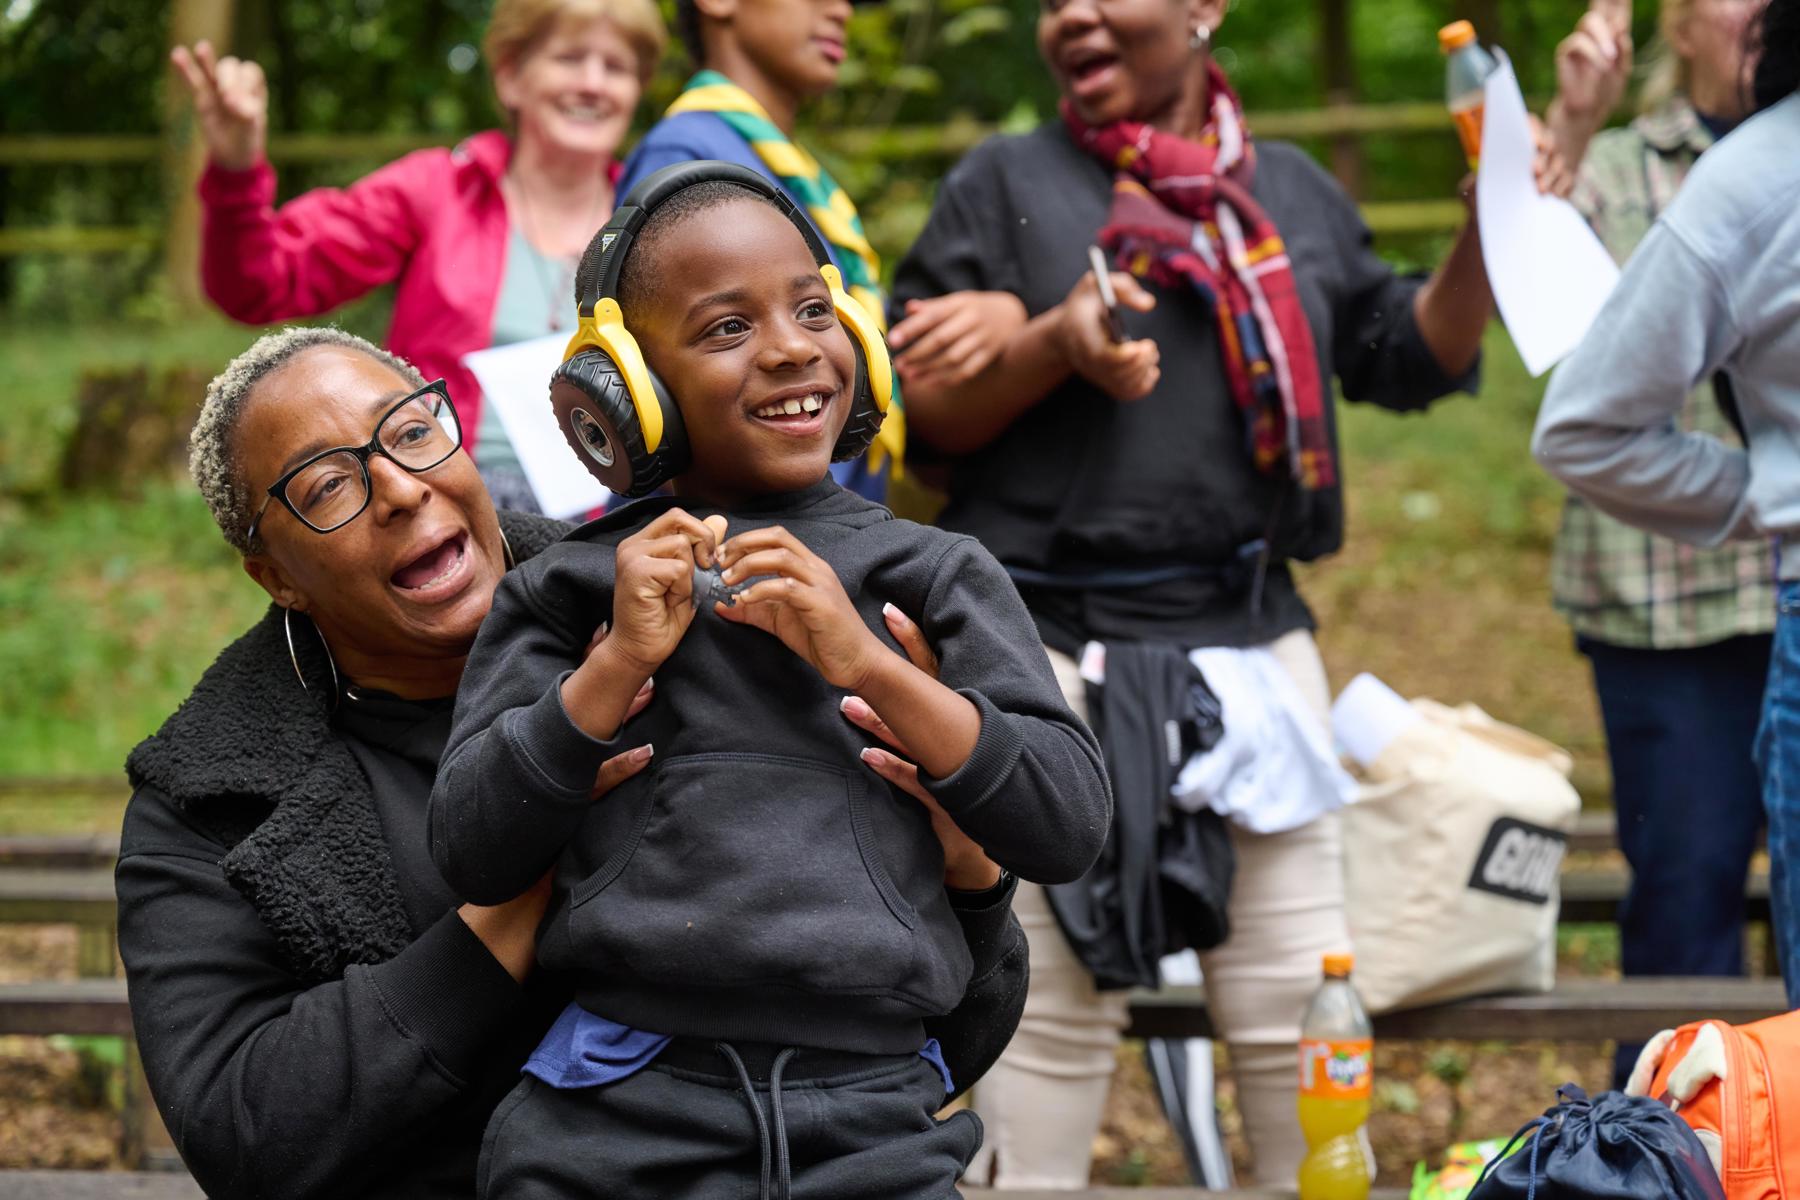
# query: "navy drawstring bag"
1612,1146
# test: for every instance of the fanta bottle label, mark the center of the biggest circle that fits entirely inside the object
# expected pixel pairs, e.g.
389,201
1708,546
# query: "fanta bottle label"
1337,1070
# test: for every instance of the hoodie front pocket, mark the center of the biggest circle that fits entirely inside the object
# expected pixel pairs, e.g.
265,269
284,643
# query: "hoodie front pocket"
755,869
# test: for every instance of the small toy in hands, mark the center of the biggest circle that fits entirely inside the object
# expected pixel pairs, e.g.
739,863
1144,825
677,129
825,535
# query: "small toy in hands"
710,588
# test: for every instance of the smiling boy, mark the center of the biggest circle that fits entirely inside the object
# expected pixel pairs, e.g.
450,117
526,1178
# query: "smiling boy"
755,909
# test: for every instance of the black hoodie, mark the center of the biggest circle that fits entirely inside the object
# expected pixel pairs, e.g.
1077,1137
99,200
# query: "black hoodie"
756,882
314,1017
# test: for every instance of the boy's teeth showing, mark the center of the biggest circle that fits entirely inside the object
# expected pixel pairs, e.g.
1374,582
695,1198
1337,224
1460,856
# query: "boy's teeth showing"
792,407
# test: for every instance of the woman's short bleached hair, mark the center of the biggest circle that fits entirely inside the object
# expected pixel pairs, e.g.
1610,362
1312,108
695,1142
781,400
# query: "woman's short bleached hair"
212,447
517,25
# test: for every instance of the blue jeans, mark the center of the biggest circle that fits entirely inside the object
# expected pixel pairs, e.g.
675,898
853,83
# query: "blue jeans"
1680,728
1778,757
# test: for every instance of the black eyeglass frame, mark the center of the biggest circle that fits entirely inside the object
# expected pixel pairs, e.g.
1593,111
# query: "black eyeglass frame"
362,453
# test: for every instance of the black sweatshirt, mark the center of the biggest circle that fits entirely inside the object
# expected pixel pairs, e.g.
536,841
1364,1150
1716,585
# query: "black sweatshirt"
757,882
314,1018
1082,482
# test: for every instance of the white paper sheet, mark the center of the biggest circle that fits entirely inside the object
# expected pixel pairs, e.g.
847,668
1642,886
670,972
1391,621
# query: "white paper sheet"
515,379
1550,274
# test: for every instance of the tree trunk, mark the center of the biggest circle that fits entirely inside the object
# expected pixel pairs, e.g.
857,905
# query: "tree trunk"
184,155
1337,65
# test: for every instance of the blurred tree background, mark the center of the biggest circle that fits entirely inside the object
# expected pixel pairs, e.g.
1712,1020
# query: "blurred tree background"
401,67
114,590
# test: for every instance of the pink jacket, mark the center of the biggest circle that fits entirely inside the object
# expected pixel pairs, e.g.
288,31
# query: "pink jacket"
434,220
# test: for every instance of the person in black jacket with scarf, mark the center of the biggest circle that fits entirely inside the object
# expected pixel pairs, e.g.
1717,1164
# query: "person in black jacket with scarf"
316,1013
1152,485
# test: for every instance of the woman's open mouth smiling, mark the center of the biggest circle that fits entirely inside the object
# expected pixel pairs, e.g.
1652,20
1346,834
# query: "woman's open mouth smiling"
437,572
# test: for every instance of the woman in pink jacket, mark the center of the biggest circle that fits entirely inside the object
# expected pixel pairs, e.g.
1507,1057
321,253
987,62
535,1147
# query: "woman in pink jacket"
482,240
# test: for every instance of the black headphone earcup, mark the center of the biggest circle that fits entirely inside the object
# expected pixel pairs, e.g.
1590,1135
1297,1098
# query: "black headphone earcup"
865,415
595,412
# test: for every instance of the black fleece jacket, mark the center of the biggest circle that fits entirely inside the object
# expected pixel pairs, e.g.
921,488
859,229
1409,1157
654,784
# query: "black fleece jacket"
314,1018
757,882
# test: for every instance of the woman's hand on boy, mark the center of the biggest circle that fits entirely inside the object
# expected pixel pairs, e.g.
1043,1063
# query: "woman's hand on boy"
967,868
802,602
653,587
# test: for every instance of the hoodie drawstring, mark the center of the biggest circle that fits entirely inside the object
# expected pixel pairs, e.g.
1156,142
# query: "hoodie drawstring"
783,1173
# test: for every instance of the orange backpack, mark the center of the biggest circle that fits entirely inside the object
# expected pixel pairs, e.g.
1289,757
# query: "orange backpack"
1739,1089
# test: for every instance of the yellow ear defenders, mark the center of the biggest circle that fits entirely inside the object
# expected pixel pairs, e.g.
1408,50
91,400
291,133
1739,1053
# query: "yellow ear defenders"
616,414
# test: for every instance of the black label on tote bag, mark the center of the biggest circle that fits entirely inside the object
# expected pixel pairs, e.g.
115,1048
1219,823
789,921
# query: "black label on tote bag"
1520,861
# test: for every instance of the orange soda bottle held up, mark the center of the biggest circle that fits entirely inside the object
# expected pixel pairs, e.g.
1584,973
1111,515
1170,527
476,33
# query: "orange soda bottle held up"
1337,1053
1465,84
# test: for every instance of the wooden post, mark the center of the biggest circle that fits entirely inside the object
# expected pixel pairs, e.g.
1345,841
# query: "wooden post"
1337,63
183,154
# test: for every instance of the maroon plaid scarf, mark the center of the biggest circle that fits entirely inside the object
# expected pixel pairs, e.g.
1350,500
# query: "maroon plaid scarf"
1182,213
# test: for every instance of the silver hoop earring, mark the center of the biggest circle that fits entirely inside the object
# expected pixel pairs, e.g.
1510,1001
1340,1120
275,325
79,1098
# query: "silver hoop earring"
506,546
1200,38
287,627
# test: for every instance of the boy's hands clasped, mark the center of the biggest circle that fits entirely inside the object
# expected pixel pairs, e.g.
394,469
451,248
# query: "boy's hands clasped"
653,594
792,594
798,597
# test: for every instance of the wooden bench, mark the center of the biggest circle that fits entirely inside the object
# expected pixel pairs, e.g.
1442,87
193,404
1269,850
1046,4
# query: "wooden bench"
79,896
1577,1010
77,1007
59,850
99,1185
1593,895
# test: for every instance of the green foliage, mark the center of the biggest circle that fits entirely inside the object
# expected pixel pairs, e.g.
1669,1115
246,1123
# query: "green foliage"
111,612
385,65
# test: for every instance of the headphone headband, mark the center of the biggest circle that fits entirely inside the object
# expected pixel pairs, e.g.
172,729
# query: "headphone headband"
604,262
614,411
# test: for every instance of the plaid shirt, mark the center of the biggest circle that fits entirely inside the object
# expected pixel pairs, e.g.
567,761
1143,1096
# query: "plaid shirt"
1614,583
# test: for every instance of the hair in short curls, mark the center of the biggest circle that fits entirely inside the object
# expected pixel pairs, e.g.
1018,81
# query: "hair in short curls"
212,447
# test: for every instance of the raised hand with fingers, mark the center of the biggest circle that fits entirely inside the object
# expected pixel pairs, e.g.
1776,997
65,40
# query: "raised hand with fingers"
800,600
231,100
1593,68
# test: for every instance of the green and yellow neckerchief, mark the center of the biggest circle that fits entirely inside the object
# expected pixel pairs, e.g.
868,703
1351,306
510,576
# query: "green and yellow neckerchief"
832,211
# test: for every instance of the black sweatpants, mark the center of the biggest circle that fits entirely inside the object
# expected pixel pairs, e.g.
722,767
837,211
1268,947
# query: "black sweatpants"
841,1127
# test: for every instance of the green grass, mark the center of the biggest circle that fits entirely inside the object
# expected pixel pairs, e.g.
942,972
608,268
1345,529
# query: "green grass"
112,610
40,371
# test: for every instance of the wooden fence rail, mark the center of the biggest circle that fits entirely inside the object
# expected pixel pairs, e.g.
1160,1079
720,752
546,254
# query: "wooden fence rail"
895,143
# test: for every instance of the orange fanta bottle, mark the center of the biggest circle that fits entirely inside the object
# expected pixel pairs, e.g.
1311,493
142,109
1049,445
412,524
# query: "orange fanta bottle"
1466,84
1337,1050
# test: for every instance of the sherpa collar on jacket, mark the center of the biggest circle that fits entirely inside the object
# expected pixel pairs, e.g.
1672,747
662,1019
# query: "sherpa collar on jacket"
253,757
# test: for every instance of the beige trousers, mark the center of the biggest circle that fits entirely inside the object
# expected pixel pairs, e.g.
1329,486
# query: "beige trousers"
1042,1101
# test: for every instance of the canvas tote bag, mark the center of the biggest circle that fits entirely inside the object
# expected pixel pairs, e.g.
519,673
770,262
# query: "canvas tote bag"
1451,860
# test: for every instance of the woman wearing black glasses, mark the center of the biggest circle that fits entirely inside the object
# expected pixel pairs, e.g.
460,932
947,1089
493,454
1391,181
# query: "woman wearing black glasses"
316,1012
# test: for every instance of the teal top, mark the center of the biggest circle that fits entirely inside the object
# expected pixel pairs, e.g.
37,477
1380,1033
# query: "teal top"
537,296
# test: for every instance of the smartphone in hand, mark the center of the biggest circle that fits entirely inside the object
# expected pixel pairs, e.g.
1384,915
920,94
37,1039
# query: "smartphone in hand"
1115,326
